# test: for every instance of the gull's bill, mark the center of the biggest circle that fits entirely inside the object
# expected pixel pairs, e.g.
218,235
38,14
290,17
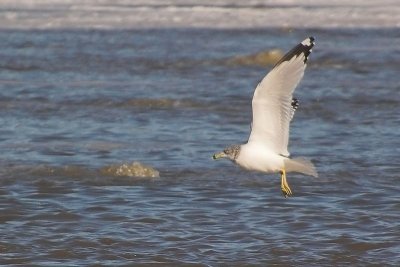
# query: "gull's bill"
273,108
219,155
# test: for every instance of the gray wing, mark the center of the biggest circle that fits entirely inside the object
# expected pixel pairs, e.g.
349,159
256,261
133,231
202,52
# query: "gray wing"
272,100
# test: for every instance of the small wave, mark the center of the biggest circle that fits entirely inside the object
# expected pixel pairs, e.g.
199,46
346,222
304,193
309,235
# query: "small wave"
105,175
263,58
45,106
134,169
72,171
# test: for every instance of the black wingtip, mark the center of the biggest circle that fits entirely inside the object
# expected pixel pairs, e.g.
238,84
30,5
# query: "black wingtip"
304,47
295,104
308,45
308,42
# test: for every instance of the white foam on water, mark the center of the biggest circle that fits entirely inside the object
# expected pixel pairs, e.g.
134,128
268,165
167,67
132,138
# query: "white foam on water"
134,169
124,14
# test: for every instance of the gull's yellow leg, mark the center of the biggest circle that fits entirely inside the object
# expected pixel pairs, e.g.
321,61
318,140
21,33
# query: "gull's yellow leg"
286,191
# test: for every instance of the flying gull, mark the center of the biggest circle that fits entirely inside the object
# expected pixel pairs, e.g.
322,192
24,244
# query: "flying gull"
273,108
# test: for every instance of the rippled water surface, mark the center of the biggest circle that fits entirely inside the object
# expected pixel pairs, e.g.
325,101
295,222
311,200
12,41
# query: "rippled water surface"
75,103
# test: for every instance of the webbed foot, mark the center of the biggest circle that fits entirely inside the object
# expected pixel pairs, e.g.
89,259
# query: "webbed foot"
286,191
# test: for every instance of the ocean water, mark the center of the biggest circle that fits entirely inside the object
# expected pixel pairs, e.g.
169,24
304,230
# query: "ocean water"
80,106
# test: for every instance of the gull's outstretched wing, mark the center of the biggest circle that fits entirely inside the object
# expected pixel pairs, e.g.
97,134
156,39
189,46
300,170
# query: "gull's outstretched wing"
272,100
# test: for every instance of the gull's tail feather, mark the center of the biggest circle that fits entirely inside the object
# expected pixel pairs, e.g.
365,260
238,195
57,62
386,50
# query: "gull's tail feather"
301,165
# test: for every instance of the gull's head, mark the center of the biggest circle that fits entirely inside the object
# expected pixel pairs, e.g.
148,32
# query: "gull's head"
231,152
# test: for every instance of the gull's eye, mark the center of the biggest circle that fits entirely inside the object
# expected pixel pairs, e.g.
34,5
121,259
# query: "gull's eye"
228,151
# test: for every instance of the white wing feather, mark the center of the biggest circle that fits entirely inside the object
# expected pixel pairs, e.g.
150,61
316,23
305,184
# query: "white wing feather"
272,110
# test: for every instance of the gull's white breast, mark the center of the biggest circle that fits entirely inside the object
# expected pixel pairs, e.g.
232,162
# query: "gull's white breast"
257,157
